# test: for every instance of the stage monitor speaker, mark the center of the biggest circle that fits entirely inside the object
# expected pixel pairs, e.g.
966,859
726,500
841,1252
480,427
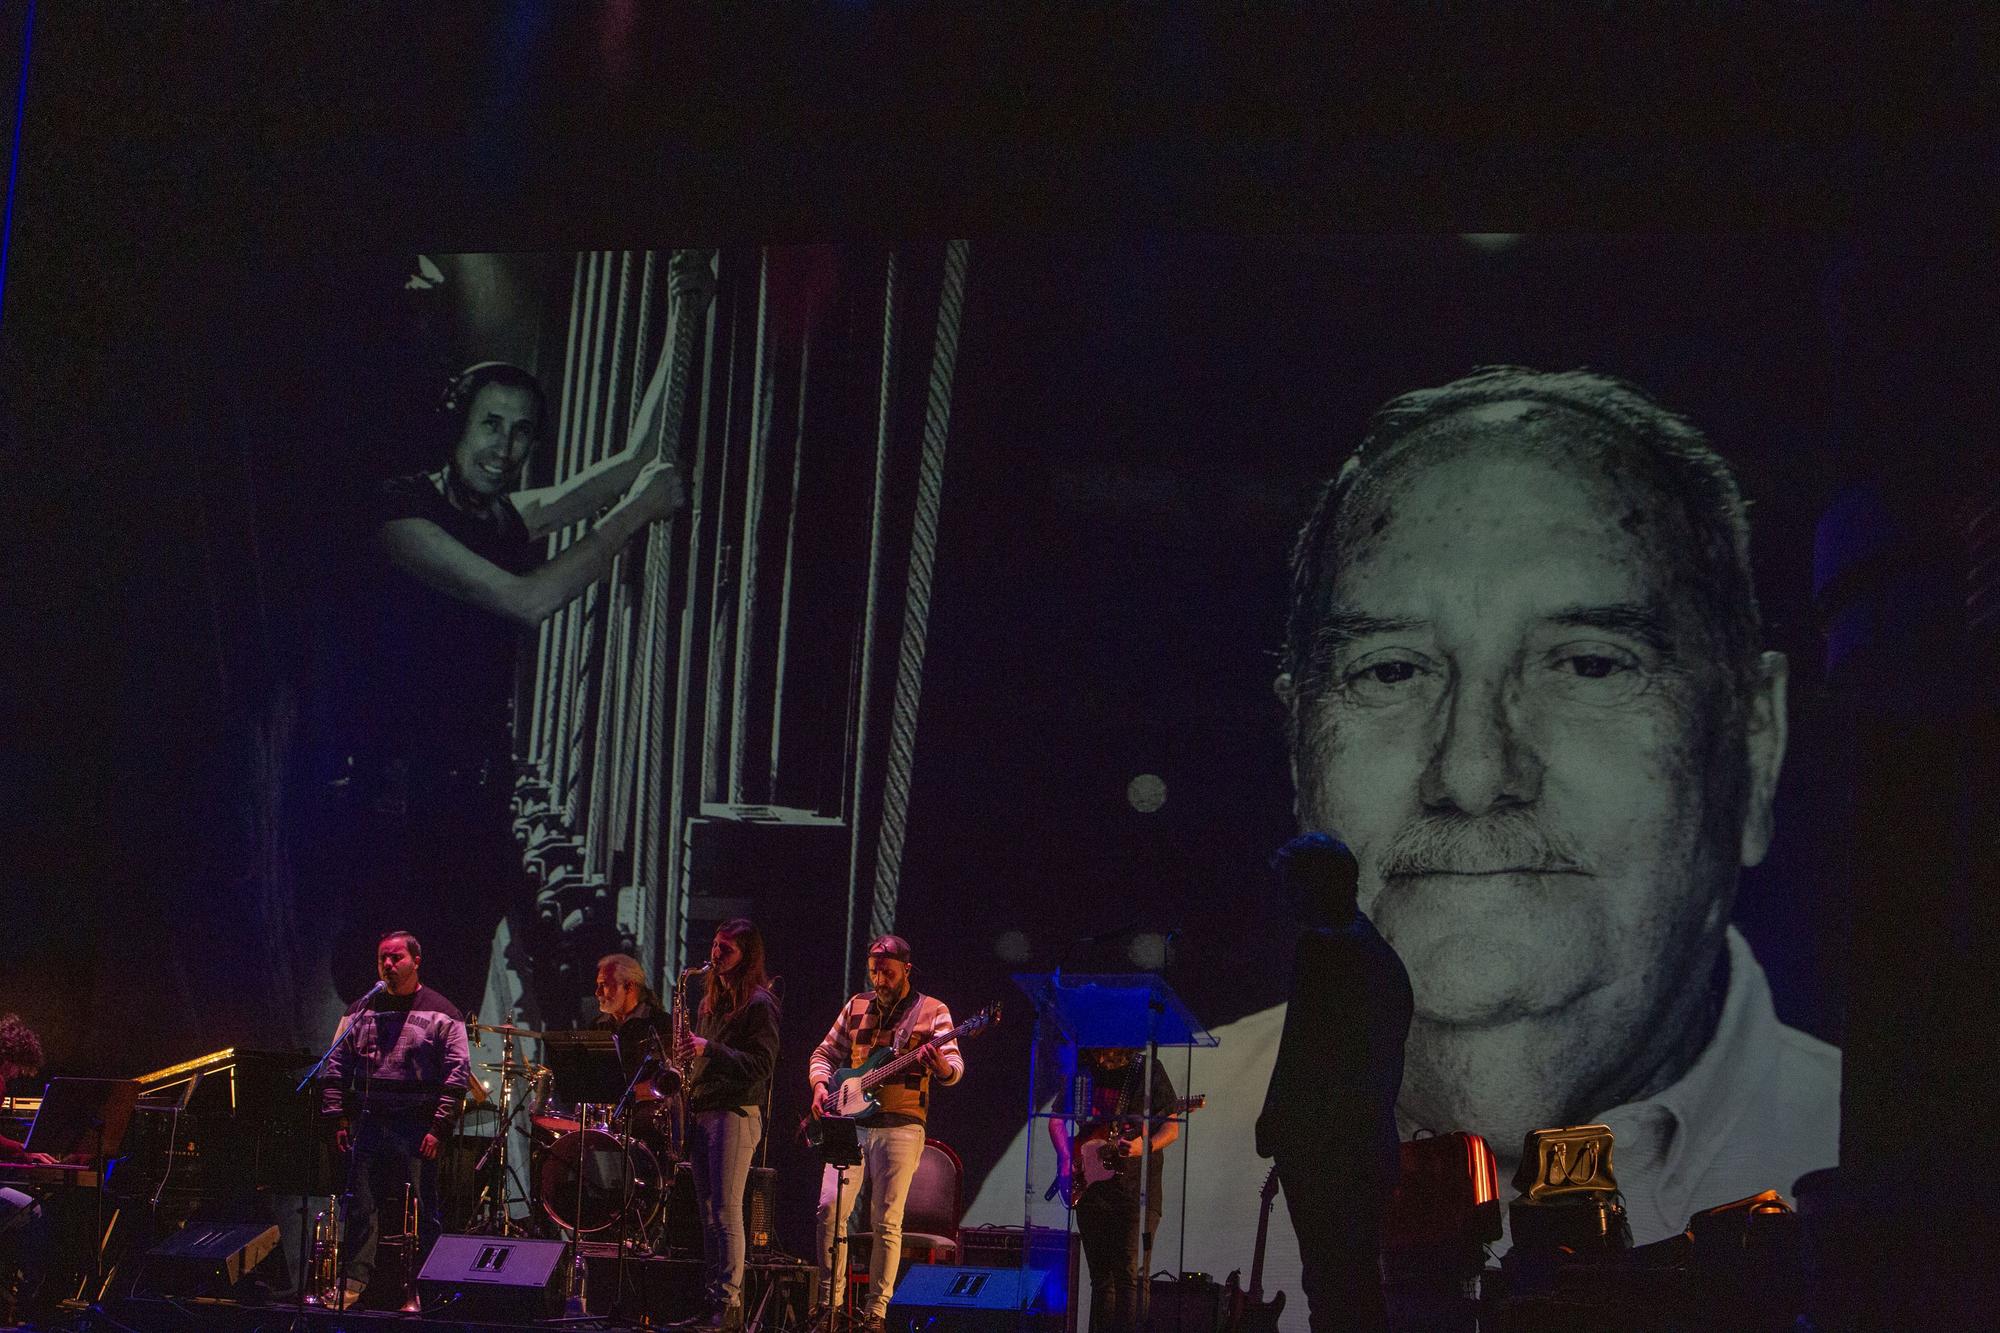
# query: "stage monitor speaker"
509,1277
208,1254
951,1298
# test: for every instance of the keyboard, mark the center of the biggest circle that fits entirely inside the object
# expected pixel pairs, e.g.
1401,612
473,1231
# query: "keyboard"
72,1175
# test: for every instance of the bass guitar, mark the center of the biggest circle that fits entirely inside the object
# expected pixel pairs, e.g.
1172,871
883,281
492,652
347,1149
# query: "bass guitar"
850,1095
1248,1311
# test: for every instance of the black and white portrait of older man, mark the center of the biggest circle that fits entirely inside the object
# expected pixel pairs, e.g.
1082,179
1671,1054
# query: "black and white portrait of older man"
1524,680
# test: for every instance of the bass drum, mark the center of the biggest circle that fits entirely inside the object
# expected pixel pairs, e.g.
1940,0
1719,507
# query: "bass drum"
662,1123
622,1182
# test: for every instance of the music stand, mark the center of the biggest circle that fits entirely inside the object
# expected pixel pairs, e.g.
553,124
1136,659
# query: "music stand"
585,1065
840,1148
79,1120
82,1118
1135,1011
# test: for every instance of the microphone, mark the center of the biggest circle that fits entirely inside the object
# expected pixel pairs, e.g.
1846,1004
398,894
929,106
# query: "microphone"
376,989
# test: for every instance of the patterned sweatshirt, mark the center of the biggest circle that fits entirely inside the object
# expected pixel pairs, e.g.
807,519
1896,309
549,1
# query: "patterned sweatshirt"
857,1033
402,1056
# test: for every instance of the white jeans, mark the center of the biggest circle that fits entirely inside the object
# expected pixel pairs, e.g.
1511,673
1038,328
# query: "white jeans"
889,1159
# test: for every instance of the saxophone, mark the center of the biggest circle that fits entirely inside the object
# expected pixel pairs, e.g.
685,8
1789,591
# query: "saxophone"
679,1065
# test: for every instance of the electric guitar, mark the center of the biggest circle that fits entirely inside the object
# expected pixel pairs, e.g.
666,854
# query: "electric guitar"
1096,1154
850,1094
1248,1311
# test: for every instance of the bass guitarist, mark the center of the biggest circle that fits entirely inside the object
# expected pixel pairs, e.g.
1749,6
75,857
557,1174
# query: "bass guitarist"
892,1014
1110,1125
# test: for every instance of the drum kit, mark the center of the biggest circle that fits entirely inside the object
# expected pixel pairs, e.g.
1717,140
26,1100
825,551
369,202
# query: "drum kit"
597,1170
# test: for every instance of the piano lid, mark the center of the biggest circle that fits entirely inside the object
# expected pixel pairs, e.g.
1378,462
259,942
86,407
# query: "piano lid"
178,1085
200,1064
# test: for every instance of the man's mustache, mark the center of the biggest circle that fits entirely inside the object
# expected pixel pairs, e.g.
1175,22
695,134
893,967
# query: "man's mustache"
1512,841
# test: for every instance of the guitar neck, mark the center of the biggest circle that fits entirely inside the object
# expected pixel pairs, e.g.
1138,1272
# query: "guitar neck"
1263,1234
897,1065
903,1061
1179,1107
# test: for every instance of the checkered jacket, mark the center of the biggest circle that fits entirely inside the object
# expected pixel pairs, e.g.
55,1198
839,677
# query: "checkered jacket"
856,1034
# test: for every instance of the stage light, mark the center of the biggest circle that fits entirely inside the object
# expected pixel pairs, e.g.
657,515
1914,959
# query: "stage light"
1146,793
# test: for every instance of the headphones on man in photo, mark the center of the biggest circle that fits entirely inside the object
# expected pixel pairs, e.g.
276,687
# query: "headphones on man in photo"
460,391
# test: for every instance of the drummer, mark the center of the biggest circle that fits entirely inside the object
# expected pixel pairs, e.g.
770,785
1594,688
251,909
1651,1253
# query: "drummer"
639,1029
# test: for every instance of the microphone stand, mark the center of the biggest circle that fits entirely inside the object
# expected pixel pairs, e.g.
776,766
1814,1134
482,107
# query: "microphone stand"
618,1113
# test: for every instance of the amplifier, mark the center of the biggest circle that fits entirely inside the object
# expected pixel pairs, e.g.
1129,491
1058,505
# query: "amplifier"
503,1276
1053,1250
1190,1303
1000,1247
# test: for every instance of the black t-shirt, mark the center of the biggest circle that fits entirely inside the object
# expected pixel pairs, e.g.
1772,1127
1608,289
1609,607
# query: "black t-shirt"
439,676
1119,1092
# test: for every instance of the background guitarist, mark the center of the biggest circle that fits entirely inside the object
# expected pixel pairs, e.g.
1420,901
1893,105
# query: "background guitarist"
892,1014
1107,1211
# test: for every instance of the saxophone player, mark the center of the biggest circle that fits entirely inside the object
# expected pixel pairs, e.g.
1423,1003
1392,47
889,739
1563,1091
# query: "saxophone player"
728,1051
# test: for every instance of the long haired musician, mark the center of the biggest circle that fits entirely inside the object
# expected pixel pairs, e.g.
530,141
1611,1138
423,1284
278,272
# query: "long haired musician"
728,1051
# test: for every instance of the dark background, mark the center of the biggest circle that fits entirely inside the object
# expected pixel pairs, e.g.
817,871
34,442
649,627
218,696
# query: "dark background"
213,213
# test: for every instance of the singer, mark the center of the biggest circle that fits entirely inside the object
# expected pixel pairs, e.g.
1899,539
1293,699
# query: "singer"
728,1055
392,1086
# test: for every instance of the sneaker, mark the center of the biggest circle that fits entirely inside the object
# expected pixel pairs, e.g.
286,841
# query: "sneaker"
871,1323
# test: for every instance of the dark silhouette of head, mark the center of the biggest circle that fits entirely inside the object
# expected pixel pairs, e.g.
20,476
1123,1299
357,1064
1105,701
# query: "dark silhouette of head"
1320,879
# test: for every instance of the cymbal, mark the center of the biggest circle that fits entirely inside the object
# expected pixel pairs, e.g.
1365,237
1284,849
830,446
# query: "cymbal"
504,1029
518,1070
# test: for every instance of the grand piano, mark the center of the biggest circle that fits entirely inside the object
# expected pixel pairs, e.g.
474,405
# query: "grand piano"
220,1126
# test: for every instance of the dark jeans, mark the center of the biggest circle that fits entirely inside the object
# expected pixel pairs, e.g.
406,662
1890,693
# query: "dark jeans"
386,1162
1107,1222
1338,1220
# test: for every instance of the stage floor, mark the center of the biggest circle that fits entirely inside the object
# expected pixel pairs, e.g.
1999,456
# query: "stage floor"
641,1292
